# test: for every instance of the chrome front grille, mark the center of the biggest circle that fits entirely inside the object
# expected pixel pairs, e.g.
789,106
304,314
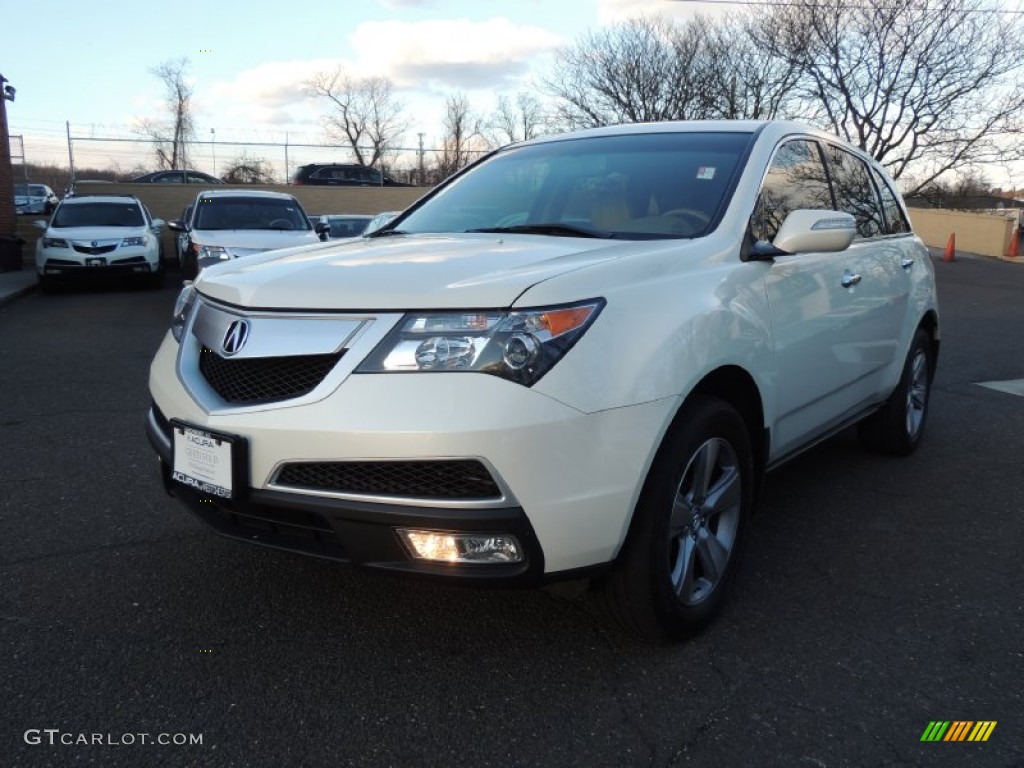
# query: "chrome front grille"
93,250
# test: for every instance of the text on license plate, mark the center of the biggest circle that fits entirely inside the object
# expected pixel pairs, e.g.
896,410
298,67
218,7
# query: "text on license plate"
202,461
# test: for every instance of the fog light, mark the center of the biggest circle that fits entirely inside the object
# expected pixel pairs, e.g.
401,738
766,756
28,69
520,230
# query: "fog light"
451,547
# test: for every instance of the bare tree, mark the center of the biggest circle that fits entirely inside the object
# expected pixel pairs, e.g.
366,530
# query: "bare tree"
248,170
172,135
621,74
521,121
650,69
925,86
748,81
462,136
365,115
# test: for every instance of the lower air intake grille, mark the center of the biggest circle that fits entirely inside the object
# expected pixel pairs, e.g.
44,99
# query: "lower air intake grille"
456,479
264,379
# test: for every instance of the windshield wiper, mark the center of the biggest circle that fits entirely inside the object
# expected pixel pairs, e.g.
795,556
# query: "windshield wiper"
387,233
557,229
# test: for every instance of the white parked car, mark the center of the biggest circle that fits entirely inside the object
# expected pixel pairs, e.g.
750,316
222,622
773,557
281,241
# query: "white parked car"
578,357
101,235
227,224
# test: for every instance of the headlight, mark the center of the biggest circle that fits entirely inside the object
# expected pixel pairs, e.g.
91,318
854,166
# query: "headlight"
54,242
520,346
128,241
211,252
182,310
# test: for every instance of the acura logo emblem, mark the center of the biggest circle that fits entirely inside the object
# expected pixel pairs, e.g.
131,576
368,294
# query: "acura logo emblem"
95,243
235,338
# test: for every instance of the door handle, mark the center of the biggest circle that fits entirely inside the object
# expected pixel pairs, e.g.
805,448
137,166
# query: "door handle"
849,279
906,263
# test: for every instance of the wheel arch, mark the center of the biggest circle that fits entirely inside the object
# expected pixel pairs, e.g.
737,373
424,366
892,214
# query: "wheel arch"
930,325
737,387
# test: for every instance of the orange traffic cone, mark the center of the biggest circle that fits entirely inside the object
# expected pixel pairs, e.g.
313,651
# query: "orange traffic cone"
950,254
1014,250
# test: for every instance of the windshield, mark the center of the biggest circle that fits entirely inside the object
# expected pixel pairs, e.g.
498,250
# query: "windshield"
639,186
21,190
214,213
98,215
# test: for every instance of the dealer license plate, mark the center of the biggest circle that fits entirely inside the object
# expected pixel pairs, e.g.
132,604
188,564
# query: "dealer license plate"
95,262
203,460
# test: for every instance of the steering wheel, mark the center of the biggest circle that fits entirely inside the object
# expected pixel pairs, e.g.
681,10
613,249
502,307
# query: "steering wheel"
281,224
699,217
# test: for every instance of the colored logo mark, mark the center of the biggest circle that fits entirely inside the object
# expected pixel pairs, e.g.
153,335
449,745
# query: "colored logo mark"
958,730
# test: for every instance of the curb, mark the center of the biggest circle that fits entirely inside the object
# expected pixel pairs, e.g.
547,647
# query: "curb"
8,296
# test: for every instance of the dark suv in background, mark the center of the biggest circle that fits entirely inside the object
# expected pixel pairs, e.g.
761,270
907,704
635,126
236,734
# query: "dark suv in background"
343,175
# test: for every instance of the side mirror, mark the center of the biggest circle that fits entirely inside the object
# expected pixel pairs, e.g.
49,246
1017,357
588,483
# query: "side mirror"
158,224
177,225
322,227
806,231
40,224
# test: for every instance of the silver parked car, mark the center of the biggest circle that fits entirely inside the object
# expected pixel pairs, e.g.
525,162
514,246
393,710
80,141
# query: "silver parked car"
34,198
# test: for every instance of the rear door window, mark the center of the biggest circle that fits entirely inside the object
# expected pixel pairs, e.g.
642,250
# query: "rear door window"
855,192
895,221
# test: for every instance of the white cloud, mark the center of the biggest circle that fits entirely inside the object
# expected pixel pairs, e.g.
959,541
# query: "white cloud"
443,55
426,61
268,94
614,11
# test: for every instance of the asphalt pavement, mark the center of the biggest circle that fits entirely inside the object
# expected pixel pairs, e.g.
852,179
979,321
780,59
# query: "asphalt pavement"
876,596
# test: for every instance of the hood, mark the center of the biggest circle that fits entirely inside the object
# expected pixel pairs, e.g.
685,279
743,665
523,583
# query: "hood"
254,240
404,272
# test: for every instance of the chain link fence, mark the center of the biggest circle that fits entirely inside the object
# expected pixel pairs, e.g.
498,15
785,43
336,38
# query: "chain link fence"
265,162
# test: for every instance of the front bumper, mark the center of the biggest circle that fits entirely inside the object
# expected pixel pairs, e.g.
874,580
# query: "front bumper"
73,269
568,480
351,531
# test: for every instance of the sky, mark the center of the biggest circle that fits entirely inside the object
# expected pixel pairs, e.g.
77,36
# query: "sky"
90,63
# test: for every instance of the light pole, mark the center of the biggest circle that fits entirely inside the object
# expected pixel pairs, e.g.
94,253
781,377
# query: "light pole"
213,148
8,217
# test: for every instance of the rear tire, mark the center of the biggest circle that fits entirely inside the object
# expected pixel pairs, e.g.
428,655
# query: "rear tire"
897,428
680,556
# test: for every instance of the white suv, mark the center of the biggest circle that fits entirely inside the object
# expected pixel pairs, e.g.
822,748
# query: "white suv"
97,236
578,357
226,224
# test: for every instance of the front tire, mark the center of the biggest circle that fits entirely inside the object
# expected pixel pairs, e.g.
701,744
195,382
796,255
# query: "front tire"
189,265
897,428
680,556
47,283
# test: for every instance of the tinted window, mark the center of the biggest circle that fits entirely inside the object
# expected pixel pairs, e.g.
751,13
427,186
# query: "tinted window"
249,213
855,193
640,186
896,223
98,215
344,226
796,180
